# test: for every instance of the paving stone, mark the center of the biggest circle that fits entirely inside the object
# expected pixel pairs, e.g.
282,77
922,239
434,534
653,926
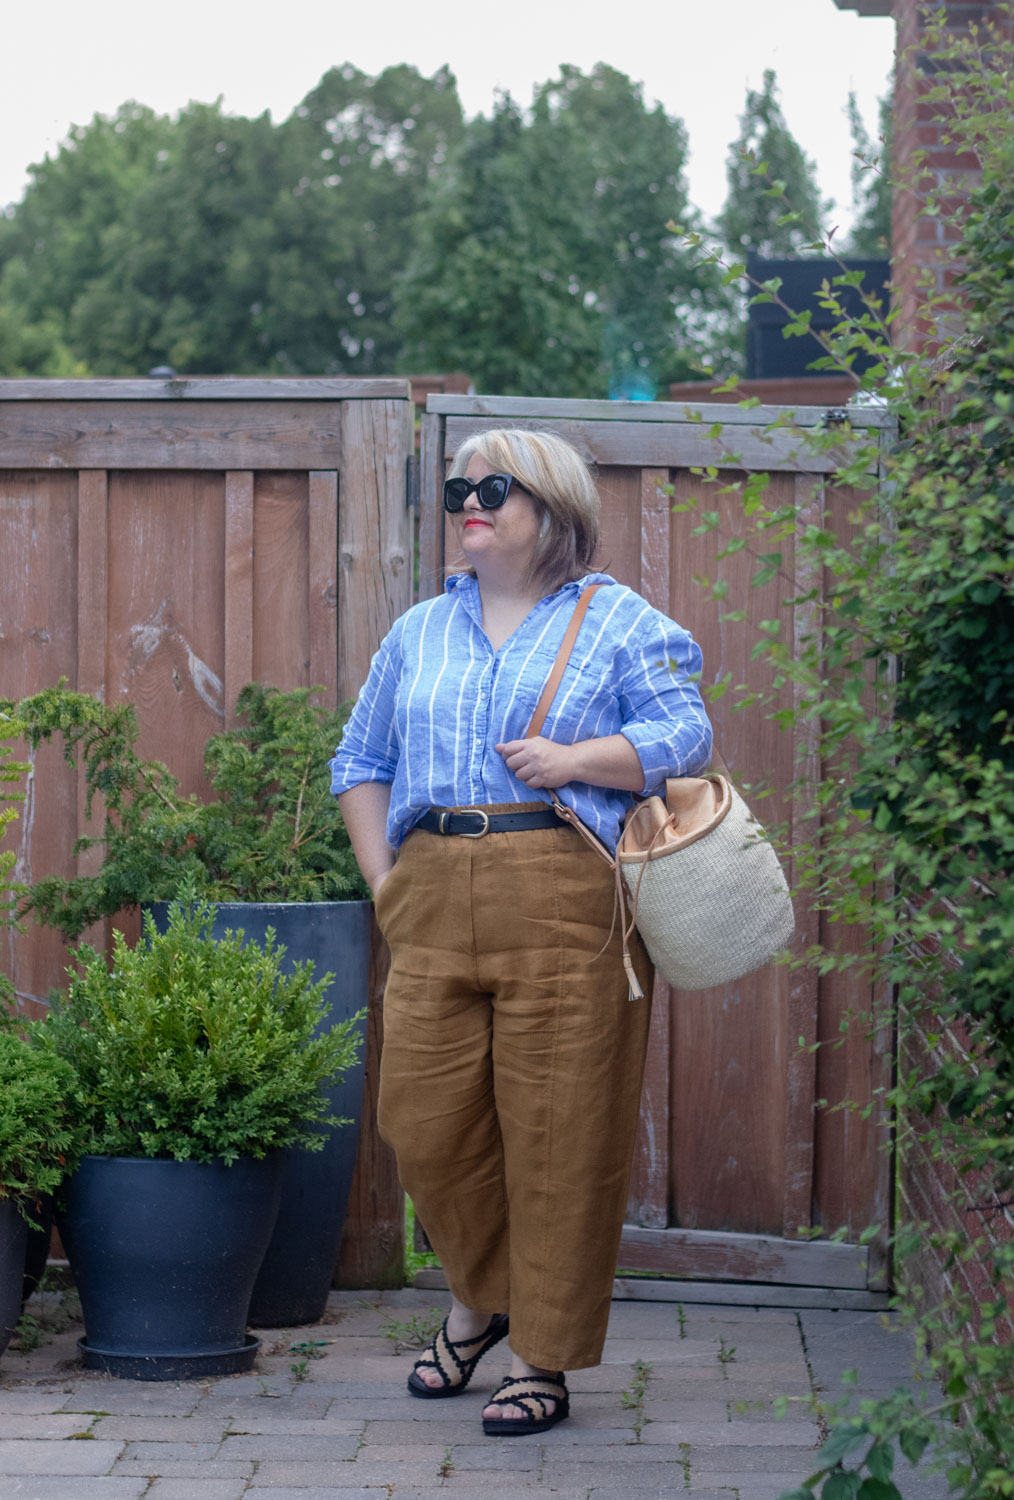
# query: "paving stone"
337,1476
465,1485
272,1445
668,1351
196,1489
134,1398
298,1426
31,1456
706,1409
202,1469
748,1486
222,1408
507,1453
604,1377
53,1425
160,1453
30,1403
752,1459
415,1297
158,1429
571,1434
665,1479
319,1492
470,1482
66,1487
443,1427
733,1434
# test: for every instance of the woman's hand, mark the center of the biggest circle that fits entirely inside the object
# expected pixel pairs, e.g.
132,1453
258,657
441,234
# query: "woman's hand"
611,761
539,762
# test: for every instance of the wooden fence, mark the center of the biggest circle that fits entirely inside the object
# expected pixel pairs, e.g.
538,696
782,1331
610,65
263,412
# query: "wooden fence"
736,1166
164,542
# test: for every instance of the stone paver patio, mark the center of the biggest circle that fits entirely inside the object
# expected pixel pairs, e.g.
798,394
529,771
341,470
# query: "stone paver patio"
682,1404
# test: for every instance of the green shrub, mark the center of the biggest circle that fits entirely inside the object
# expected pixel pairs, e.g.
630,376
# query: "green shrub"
272,831
196,1048
39,1138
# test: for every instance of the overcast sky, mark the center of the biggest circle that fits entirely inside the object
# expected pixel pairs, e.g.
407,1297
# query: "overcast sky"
66,61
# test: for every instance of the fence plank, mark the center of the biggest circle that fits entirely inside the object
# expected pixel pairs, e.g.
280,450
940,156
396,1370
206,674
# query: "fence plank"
323,583
211,388
709,1254
373,1243
374,537
648,1202
431,519
92,624
556,410
653,445
374,552
803,983
165,435
239,582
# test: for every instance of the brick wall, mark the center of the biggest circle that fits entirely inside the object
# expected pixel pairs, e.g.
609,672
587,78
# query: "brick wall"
924,160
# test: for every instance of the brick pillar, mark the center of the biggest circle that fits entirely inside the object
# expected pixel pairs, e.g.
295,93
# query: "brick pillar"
923,244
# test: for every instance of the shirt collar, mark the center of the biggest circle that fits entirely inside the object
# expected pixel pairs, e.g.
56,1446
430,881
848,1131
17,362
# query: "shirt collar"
464,587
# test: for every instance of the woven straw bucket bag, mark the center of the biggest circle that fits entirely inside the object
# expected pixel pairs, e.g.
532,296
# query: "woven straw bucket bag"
706,891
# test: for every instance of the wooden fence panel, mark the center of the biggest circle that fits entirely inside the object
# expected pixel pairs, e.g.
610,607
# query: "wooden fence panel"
162,543
735,1163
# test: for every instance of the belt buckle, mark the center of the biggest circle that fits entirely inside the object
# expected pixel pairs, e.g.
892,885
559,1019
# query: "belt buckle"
467,812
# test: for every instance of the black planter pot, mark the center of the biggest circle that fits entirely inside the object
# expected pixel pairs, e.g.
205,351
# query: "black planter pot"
12,1268
37,1245
298,1267
165,1254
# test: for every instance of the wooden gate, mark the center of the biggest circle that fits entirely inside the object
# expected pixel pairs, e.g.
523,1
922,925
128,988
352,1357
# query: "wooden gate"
740,1178
164,542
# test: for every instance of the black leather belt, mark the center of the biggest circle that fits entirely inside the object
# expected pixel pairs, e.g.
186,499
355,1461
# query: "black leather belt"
476,822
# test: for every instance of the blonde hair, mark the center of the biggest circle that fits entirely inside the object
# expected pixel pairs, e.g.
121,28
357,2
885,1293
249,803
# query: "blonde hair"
562,486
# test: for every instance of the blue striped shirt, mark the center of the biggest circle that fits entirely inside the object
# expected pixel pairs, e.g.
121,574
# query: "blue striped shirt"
438,699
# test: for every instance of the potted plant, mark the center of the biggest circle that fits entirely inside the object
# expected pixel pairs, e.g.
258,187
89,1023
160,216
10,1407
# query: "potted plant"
270,850
198,1062
38,1143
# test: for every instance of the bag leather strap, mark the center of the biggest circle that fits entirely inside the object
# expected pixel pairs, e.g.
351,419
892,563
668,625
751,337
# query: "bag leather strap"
562,658
567,814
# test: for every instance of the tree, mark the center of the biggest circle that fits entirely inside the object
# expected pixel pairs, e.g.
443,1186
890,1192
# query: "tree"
544,263
766,153
871,183
217,243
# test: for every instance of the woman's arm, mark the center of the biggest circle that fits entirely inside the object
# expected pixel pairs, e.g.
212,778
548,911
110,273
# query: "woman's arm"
364,809
611,761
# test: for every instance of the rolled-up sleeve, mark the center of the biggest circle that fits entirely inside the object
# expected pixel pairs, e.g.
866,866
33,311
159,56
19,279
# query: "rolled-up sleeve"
369,750
663,713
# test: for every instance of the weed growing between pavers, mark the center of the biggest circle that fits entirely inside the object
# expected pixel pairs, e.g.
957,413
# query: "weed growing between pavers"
633,1397
415,1332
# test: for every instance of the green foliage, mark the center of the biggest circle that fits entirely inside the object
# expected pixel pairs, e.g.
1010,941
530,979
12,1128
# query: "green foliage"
903,688
764,156
11,773
221,244
542,258
195,1048
272,832
40,1138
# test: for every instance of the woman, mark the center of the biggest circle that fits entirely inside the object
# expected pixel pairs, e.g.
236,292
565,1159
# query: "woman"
512,1061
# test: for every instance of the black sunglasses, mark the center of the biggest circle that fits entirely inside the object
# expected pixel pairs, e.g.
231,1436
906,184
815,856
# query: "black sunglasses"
492,490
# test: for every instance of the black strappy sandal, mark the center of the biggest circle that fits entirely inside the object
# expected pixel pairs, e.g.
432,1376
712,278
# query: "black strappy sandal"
444,1358
528,1392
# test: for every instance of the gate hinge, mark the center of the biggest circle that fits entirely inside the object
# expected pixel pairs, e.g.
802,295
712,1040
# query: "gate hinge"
412,498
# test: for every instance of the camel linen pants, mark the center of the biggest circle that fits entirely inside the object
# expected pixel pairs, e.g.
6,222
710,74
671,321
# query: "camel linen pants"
510,1077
